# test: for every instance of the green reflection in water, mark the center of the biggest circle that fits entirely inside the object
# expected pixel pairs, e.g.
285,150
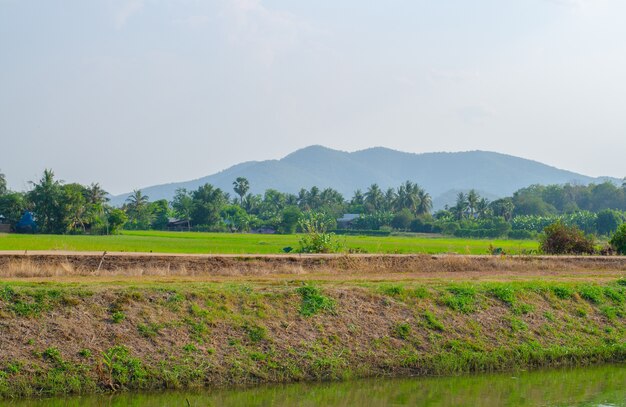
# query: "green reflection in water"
590,386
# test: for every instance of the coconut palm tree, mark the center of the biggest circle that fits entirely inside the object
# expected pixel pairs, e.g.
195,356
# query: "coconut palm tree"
357,198
137,199
96,195
241,186
374,198
472,201
390,198
482,207
461,206
137,210
408,197
3,184
426,202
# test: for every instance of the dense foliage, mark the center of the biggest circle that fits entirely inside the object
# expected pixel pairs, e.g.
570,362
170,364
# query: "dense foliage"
559,238
72,208
618,241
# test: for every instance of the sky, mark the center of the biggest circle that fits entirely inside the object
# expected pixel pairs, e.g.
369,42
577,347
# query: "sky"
133,93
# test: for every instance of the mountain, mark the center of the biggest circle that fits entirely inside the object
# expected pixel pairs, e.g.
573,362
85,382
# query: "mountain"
441,174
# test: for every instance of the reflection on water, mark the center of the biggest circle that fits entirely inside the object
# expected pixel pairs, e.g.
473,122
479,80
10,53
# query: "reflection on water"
590,386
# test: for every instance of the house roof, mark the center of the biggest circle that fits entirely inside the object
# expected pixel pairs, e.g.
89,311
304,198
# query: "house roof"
349,217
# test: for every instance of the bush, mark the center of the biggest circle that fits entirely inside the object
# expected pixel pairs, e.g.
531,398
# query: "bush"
424,226
402,220
316,239
607,221
618,241
561,239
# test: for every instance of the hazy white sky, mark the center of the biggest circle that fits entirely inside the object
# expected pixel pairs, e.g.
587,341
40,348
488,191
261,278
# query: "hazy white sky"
132,93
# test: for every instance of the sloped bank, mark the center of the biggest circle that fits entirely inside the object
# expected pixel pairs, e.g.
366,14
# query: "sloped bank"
101,337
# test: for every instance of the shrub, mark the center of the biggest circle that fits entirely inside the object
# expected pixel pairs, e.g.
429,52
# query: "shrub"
562,292
313,301
618,241
316,239
120,370
561,239
402,220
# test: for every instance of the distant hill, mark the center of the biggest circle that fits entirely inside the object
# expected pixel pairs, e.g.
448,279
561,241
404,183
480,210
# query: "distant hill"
441,174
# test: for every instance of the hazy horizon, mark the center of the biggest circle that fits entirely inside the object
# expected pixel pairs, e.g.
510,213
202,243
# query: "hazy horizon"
116,193
133,93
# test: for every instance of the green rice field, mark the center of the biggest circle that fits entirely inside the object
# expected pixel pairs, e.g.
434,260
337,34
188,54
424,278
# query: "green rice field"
225,243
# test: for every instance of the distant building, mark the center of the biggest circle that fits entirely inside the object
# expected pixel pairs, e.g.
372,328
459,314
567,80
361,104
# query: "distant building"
345,222
177,225
263,231
26,224
4,225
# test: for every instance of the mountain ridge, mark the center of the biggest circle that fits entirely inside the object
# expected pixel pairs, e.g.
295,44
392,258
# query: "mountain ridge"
440,173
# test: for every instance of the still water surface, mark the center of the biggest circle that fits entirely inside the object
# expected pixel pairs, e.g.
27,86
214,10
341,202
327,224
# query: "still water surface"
589,386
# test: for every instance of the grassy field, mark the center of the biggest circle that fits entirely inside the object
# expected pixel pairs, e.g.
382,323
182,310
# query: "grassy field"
213,243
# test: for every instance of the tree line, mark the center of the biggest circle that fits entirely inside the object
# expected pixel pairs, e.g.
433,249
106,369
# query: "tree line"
58,207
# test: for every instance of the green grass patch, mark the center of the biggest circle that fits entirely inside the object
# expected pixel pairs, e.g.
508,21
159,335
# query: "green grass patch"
401,330
460,298
432,322
313,302
591,293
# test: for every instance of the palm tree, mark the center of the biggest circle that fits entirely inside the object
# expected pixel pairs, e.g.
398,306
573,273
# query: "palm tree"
472,201
374,198
357,198
3,184
390,198
96,195
241,186
482,207
460,209
251,203
46,198
137,200
408,197
426,202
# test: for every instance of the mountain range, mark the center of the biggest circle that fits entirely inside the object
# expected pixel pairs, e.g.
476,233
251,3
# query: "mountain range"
443,175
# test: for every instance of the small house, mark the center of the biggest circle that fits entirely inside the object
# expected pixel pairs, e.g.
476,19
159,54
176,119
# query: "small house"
5,227
263,231
178,225
346,221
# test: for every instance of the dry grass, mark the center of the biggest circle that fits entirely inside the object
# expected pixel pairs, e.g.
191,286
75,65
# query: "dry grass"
339,267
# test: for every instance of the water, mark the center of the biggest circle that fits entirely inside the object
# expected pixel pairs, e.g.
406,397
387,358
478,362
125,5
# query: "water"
590,386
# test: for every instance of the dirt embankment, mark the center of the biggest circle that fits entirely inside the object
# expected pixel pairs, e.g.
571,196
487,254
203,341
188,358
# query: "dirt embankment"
47,264
57,338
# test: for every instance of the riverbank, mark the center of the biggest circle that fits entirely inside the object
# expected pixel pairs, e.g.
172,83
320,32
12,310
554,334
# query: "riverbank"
126,334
